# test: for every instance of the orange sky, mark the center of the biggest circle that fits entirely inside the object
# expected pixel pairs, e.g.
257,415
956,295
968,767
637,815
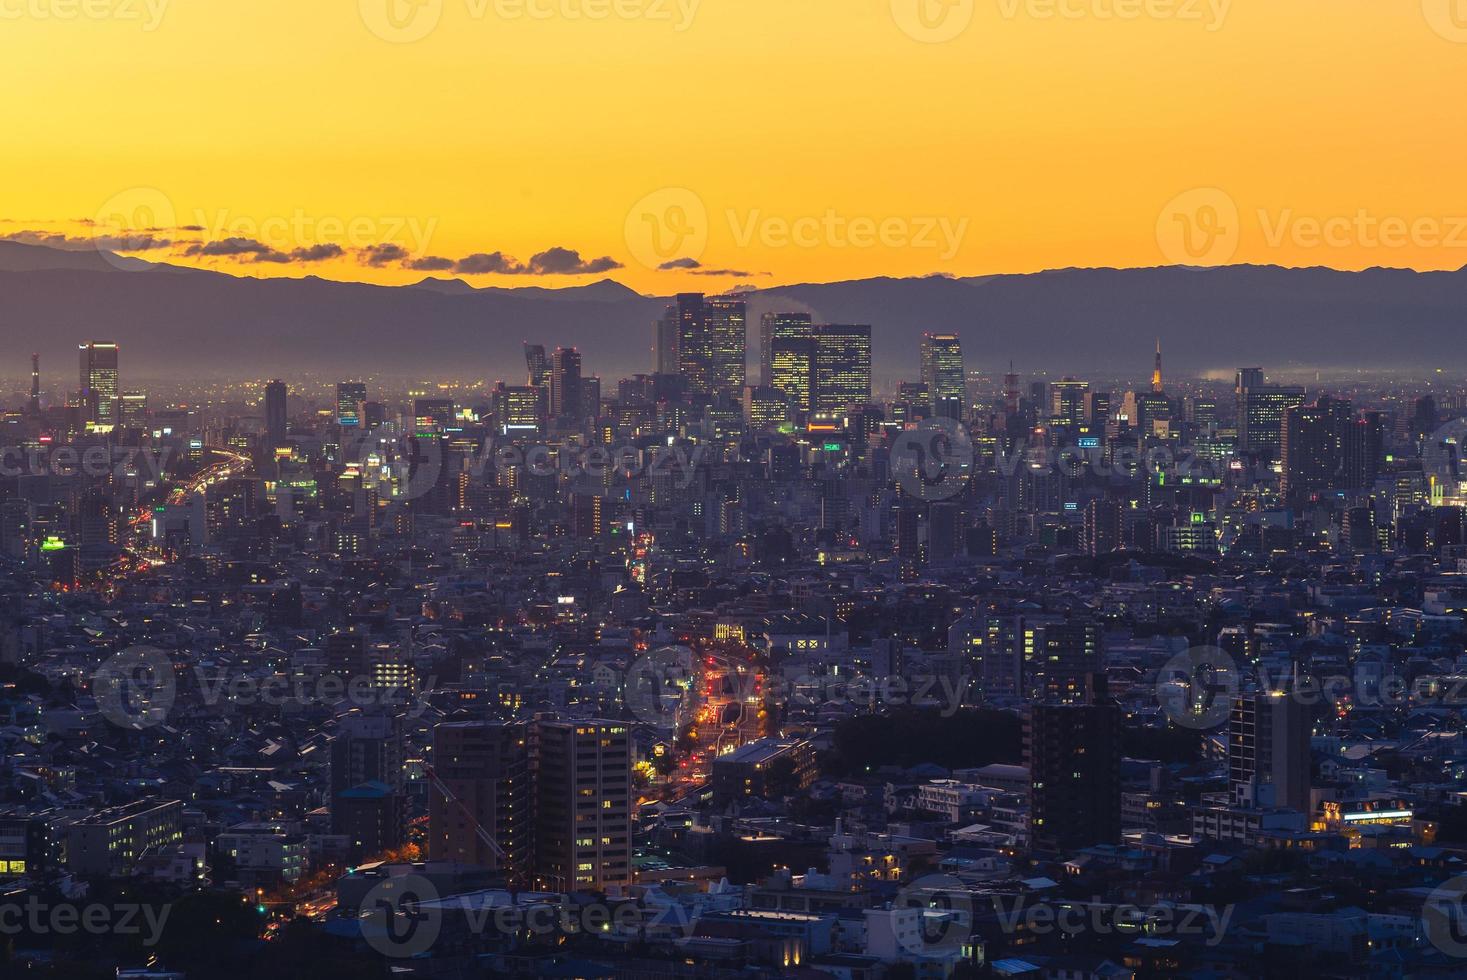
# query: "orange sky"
768,141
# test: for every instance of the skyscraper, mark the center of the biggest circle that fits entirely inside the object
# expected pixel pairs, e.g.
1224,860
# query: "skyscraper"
351,396
942,373
99,383
537,364
1326,447
1268,751
485,767
725,319
1067,403
775,327
583,796
791,366
1158,383
694,348
1074,756
276,414
842,370
1261,409
664,355
35,384
565,384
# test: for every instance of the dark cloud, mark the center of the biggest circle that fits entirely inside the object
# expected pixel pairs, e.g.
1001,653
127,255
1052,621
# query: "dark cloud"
229,248
383,254
736,273
317,253
139,242
483,263
568,262
680,264
430,263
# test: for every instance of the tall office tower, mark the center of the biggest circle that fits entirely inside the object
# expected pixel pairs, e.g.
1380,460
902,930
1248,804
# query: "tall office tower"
277,416
35,384
591,396
842,370
1158,385
1097,409
565,384
792,366
1074,757
779,326
351,399
728,342
485,766
518,410
1103,519
99,382
1313,447
1268,751
942,373
368,802
664,351
694,346
1067,403
132,409
583,795
1261,409
538,364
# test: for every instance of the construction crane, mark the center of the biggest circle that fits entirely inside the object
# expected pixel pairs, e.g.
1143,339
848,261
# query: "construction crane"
479,830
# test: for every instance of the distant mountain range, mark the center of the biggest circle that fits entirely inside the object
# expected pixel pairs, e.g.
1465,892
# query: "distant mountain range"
170,319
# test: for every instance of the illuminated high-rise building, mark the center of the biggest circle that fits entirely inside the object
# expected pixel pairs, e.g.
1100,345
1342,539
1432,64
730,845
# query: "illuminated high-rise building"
942,373
583,790
99,383
1067,403
277,416
725,321
775,327
791,366
565,384
132,409
1158,383
1261,424
351,397
35,384
518,409
694,350
842,369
